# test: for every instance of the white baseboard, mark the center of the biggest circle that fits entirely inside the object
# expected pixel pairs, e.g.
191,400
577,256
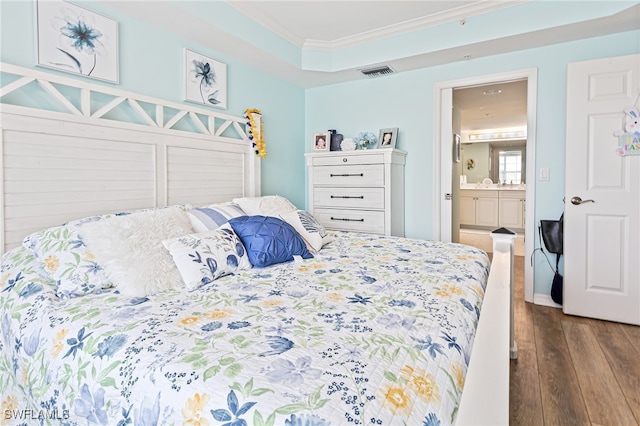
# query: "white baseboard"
545,300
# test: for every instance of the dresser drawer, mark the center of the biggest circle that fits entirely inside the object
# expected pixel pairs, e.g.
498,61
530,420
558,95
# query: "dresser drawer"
342,160
361,198
479,193
358,175
351,220
512,193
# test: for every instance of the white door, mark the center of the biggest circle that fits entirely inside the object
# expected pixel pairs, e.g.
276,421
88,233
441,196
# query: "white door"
446,165
601,237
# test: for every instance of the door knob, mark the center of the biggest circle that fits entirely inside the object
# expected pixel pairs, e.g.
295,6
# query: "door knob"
577,201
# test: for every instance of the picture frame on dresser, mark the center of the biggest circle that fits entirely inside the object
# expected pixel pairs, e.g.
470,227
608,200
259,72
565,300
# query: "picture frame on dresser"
321,141
388,137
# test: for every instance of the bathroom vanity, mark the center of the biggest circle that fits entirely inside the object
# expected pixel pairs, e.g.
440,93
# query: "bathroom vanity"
493,206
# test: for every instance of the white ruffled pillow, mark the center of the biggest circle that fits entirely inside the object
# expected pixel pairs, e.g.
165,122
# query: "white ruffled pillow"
131,251
269,205
204,257
312,232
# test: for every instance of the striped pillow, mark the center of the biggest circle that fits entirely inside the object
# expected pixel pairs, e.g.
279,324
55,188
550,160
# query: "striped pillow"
208,218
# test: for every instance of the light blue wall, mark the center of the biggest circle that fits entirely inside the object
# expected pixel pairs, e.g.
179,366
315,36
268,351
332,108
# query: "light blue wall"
151,61
405,100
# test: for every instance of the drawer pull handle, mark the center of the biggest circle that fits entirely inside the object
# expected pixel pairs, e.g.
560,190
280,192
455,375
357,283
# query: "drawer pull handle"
347,174
361,197
346,219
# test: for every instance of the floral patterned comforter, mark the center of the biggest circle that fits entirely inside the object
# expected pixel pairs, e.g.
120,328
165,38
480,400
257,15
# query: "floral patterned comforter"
373,330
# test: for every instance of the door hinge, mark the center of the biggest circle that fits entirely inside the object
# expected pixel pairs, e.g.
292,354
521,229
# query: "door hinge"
447,197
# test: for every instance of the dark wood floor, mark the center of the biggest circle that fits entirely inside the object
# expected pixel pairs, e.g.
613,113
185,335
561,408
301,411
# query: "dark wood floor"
572,370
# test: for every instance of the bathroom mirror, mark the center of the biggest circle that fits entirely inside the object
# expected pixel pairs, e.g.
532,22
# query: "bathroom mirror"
500,161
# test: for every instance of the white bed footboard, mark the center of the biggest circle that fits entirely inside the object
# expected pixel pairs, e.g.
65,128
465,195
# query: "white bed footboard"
86,149
485,399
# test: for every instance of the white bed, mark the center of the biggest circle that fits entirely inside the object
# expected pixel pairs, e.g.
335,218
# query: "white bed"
104,151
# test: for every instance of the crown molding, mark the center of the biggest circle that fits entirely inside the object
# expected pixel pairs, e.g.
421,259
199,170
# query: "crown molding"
450,15
267,22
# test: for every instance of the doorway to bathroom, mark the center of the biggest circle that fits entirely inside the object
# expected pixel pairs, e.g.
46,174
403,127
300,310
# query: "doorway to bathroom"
478,210
491,121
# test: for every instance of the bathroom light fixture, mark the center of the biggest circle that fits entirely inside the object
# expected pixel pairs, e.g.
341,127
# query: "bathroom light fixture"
492,92
498,136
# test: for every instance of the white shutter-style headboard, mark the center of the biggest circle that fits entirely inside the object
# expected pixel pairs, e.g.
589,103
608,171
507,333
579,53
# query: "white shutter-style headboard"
87,149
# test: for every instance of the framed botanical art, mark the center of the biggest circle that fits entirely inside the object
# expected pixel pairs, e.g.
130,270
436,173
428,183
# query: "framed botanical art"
321,141
205,80
388,137
76,40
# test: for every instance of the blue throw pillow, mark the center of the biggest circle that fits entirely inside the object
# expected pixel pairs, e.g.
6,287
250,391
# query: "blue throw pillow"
269,240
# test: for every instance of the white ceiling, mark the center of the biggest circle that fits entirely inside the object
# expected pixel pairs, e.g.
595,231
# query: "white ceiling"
493,106
336,24
332,25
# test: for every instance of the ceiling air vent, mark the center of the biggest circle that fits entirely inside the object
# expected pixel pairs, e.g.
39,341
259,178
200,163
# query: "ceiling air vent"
378,71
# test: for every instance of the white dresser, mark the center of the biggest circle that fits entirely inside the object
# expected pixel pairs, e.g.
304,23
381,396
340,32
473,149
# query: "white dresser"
358,190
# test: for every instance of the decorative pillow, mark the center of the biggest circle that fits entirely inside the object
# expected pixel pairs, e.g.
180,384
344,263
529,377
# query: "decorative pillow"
314,234
269,240
204,257
208,218
131,251
269,205
62,253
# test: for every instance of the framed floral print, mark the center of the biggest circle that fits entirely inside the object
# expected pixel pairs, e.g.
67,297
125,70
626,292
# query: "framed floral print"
76,40
205,80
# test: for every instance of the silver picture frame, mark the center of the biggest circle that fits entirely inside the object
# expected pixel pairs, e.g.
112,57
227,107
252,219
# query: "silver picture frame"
388,138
